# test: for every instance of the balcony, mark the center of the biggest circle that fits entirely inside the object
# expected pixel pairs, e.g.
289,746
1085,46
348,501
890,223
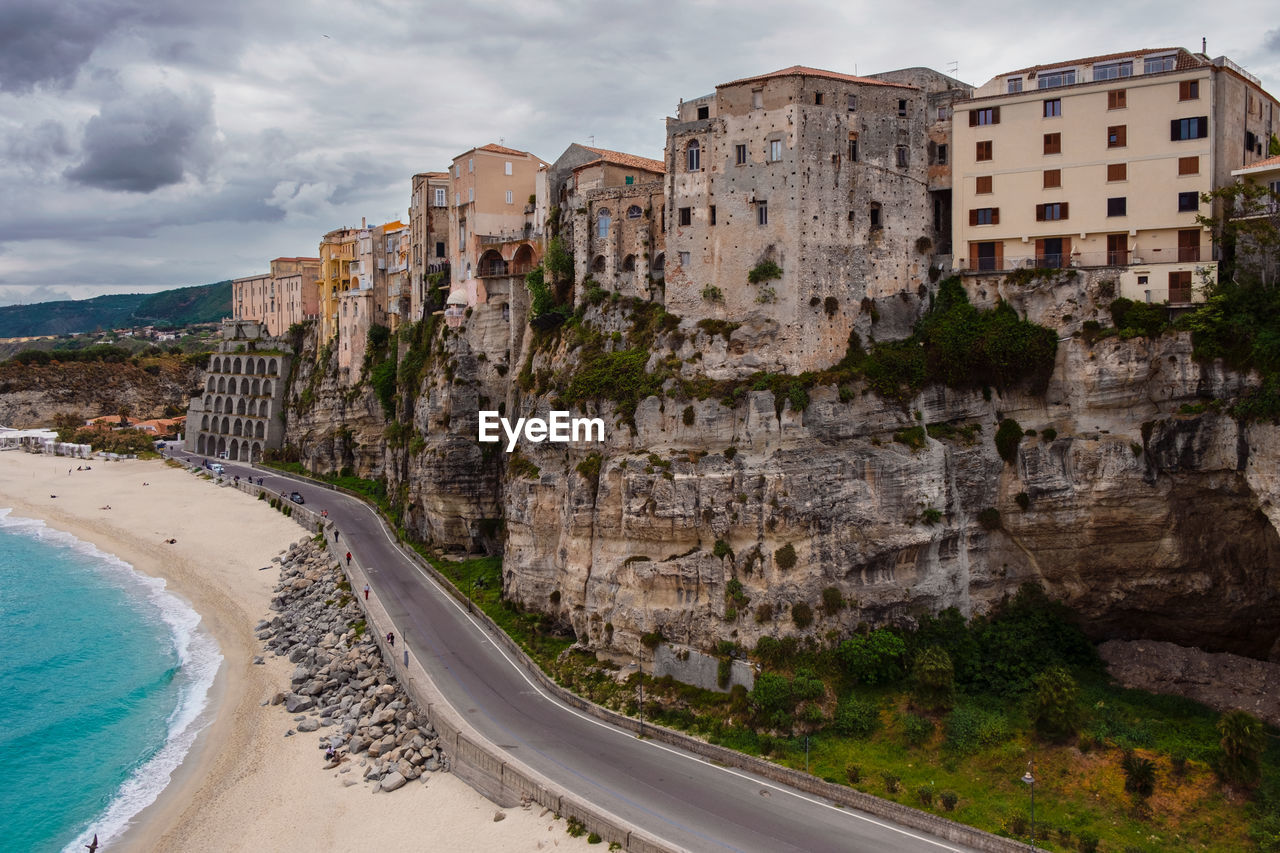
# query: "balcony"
514,235
494,269
1141,256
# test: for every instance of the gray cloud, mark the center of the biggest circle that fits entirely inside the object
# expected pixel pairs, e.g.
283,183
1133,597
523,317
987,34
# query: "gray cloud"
1271,41
48,42
38,147
143,142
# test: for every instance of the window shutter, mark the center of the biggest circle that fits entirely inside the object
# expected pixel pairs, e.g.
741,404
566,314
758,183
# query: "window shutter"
973,217
1039,213
1173,130
1039,248
1064,210
995,115
973,118
995,216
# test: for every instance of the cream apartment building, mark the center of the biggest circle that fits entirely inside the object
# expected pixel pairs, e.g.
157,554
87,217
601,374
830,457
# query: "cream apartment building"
279,298
428,233
1101,162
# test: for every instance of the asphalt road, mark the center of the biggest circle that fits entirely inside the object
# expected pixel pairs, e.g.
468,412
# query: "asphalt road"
673,795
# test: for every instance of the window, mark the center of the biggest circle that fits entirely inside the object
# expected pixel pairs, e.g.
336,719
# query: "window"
984,185
1189,165
1116,136
686,216
1053,143
1053,108
629,180
439,248
1051,212
1113,70
1188,128
1180,286
990,115
603,220
471,164
711,215
634,212
984,150
984,216
757,99
942,155
1189,245
902,107
1052,179
510,197
762,213
1015,85
1189,90
775,150
853,147
704,111
876,225
684,258
1117,249
1054,79
1188,201
441,200
471,194
1117,99
693,155
902,156
817,99
457,199
506,168
1117,172
740,154
985,256
1118,206
852,102
943,113
1156,64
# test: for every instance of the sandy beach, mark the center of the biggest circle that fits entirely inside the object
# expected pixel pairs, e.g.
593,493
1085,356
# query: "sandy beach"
244,786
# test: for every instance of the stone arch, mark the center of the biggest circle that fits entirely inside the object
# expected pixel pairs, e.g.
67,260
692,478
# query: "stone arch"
273,367
240,406
659,264
266,388
693,156
248,366
259,430
256,388
237,427
629,263
200,443
208,401
216,366
597,264
244,451
264,408
233,449
522,261
603,219
255,455
209,384
222,446
226,425
492,263
244,386
222,385
262,365
634,212
204,422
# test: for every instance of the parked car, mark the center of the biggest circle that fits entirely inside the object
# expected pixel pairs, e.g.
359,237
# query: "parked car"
217,468
297,498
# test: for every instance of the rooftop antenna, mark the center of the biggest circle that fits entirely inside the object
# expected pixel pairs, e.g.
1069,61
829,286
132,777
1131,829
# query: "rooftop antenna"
953,67
592,137
502,140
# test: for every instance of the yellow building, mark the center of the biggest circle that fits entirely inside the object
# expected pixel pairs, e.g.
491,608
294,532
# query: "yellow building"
337,252
1100,162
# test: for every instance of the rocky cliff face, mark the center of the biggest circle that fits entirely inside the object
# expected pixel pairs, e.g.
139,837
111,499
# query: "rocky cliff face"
1151,523
30,395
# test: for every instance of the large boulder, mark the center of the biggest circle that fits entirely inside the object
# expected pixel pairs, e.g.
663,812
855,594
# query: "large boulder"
295,704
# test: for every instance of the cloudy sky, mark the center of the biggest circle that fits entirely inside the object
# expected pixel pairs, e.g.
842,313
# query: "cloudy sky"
147,144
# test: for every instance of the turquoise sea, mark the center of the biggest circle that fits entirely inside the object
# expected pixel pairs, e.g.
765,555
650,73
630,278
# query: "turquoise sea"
104,681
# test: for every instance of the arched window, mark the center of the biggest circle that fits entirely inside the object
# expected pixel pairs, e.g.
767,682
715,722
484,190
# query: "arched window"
244,386
222,444
629,263
238,427
240,406
262,365
200,445
659,263
210,384
222,384
264,409
256,388
217,365
204,424
234,447
603,218
273,367
226,426
257,453
266,388
634,212
693,155
208,400
258,429
237,366
597,265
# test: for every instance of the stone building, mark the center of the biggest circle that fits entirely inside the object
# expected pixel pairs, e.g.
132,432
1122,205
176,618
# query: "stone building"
1101,162
391,271
237,415
612,222
428,236
337,252
819,182
279,298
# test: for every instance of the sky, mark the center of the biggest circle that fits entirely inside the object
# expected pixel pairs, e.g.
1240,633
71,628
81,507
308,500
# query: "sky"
148,144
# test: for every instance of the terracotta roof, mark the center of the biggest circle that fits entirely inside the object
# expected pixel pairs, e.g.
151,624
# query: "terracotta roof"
296,259
806,71
436,174
621,158
1185,60
1269,163
498,149
395,225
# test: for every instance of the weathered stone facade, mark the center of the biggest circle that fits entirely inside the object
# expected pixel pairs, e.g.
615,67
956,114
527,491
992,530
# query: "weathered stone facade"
238,412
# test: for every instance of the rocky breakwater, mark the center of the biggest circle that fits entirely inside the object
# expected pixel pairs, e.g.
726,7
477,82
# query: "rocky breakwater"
340,686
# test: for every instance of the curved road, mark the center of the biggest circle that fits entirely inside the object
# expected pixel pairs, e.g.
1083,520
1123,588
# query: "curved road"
673,795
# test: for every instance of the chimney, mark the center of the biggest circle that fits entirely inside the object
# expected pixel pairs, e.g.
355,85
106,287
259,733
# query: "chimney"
362,223
1204,45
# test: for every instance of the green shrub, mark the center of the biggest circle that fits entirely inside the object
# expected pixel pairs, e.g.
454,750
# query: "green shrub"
949,800
969,729
1048,434
589,467
1138,318
1139,775
925,795
1055,706
785,557
832,600
801,615
764,271
913,437
574,827
594,838
876,658
688,416
764,612
989,518
651,639
1008,437
722,550
1086,842
711,293
933,679
931,516
853,773
856,718
520,467
892,783
1242,742
916,729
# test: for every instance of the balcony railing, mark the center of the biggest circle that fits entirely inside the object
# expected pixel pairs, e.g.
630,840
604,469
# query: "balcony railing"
502,268
1112,258
514,235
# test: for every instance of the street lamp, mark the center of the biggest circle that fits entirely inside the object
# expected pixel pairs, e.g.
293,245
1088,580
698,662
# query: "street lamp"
1031,782
640,687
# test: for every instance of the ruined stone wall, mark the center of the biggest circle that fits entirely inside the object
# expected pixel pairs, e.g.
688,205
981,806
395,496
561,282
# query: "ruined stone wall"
621,261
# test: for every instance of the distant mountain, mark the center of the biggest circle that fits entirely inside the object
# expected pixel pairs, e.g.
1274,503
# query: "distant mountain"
182,306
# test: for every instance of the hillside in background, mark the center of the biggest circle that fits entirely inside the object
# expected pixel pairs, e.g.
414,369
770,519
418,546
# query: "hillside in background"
205,303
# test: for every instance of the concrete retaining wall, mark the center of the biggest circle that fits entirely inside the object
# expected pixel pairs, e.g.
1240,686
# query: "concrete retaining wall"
488,769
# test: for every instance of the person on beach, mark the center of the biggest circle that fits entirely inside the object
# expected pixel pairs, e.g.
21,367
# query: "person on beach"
335,536
348,558
93,848
366,592
391,639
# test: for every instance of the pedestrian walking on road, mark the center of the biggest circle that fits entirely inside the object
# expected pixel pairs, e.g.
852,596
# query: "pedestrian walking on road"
335,536
348,558
366,592
391,639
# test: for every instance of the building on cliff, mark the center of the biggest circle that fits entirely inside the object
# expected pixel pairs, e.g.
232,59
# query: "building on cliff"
1101,162
391,271
279,298
795,199
337,252
428,237
236,416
